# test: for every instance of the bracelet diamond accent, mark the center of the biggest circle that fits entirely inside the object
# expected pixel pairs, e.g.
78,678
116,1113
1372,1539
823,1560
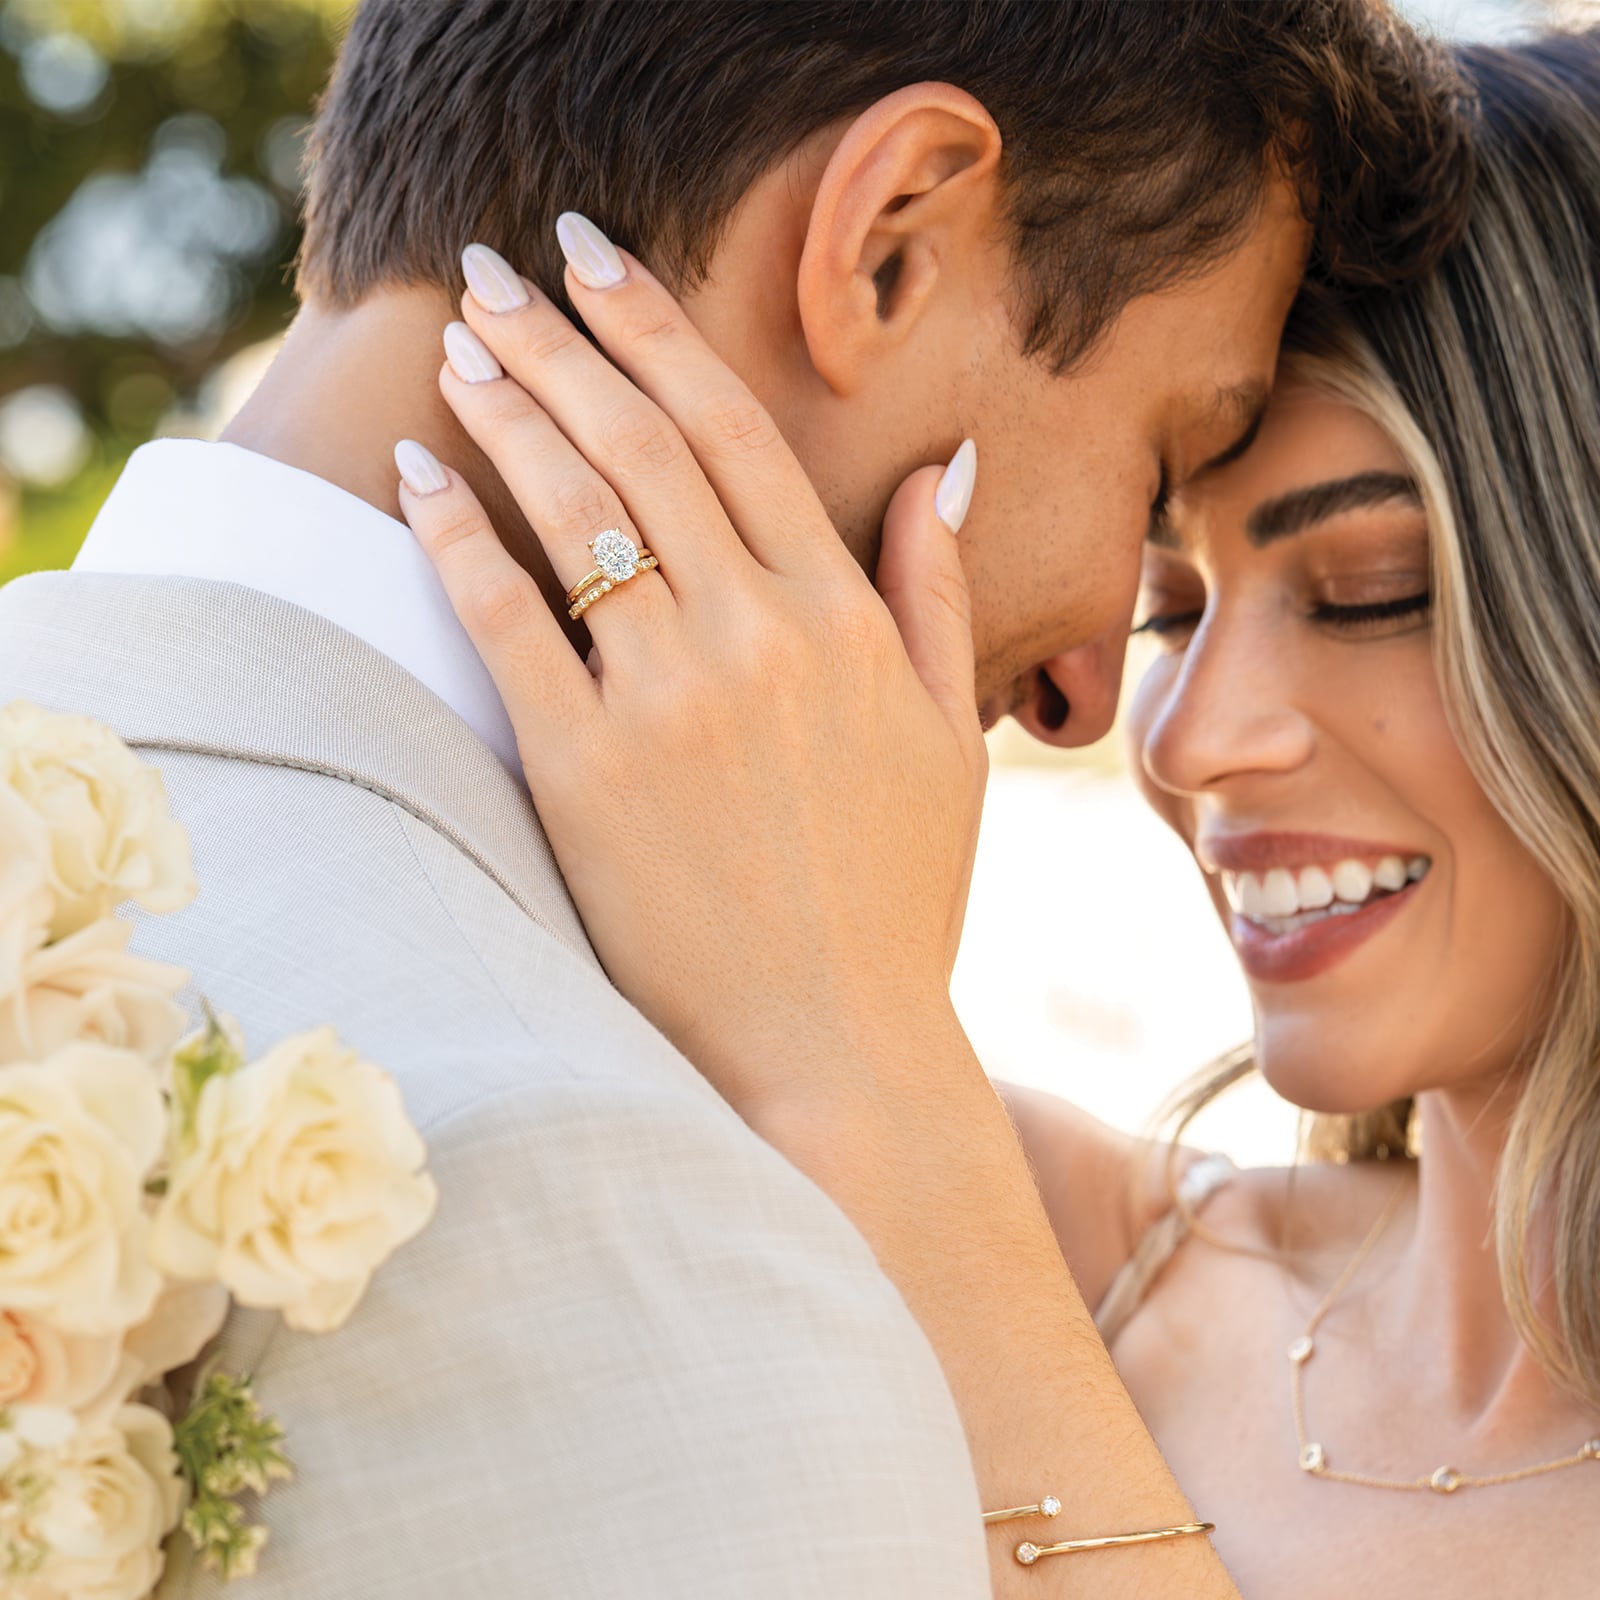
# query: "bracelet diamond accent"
1048,1506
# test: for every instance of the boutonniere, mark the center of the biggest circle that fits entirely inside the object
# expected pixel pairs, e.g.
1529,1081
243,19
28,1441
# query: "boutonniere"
150,1176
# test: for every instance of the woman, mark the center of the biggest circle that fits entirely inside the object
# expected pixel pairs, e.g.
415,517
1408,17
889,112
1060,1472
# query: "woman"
1374,722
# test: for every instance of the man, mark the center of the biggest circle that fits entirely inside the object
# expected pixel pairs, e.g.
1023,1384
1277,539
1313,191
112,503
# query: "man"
636,1353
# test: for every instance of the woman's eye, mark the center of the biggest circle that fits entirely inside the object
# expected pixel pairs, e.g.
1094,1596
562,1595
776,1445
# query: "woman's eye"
1373,616
1173,627
1170,626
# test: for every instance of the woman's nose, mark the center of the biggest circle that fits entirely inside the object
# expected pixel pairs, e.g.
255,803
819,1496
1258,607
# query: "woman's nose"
1229,712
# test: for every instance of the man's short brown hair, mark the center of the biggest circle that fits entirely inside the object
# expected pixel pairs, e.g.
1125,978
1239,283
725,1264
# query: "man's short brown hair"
1136,136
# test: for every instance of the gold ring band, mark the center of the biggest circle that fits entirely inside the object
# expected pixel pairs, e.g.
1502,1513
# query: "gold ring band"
594,579
605,585
618,559
584,583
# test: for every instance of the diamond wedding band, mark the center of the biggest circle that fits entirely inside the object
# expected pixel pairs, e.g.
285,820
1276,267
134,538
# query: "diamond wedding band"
616,559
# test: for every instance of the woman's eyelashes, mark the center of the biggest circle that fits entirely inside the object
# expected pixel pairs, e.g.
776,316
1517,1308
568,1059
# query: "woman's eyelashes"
1158,506
1374,614
1164,624
1377,617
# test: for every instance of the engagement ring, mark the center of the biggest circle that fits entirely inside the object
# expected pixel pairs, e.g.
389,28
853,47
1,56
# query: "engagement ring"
617,558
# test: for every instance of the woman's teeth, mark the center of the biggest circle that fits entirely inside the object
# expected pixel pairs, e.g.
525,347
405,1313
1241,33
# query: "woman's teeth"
1282,901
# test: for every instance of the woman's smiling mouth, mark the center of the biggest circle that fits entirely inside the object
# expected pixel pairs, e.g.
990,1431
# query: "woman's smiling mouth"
1301,903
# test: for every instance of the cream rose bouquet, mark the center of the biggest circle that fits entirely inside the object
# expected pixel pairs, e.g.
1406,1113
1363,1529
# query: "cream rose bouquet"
147,1181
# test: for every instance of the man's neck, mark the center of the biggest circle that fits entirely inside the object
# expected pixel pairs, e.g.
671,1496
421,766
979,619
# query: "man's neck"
348,384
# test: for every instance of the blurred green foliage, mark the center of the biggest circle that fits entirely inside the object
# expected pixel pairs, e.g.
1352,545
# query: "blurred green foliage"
149,187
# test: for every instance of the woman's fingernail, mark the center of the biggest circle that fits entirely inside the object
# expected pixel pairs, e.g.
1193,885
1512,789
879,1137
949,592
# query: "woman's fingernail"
419,468
489,276
592,257
470,358
954,494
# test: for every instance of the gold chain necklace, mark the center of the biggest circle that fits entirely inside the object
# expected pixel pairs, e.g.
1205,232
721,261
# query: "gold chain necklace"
1444,1480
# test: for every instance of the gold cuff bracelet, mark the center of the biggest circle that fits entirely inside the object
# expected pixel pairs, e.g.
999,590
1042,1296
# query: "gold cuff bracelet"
1027,1552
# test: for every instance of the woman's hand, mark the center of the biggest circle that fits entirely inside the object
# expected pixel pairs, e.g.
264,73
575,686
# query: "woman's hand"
763,788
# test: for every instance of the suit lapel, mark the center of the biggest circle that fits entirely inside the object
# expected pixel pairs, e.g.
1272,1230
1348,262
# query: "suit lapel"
217,669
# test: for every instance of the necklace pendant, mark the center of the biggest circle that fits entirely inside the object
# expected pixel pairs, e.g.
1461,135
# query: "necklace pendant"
1301,1350
1591,1449
1313,1458
1445,1481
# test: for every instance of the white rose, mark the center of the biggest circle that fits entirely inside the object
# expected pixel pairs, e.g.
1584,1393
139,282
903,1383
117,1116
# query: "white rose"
92,1373
114,1494
26,906
88,986
26,1432
301,1179
79,1132
185,1319
30,1437
43,1366
76,798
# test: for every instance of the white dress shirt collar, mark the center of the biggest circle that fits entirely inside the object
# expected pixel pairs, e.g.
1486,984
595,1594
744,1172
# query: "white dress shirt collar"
184,508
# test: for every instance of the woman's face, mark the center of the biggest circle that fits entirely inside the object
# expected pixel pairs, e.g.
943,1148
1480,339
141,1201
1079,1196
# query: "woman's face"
1395,935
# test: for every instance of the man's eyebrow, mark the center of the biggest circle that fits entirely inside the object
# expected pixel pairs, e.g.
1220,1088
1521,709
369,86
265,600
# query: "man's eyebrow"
1248,402
1300,508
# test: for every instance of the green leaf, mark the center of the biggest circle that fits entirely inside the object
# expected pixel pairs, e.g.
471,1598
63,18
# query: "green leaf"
211,1053
226,1445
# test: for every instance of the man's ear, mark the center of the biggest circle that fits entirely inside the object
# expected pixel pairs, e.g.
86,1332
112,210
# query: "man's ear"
904,207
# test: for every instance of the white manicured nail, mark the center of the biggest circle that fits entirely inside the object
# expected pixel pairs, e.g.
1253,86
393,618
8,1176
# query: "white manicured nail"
420,468
470,358
489,276
954,494
592,257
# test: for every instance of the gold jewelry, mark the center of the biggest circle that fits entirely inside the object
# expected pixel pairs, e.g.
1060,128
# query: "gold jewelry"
617,559
1027,1552
1049,1506
1443,1480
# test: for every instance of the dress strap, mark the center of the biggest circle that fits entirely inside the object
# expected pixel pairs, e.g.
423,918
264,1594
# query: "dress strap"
1159,1243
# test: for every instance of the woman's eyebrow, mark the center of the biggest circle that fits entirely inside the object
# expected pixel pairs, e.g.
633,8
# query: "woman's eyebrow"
1300,508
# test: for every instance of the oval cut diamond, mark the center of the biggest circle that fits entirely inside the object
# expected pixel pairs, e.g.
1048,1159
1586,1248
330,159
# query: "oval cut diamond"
616,555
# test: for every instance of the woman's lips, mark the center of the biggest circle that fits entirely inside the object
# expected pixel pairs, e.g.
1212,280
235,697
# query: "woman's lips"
1313,950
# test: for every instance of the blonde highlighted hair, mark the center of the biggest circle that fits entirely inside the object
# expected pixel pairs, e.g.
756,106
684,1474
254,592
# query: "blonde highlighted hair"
1486,377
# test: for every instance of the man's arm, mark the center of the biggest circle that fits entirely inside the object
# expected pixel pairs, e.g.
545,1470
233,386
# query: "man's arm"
635,1354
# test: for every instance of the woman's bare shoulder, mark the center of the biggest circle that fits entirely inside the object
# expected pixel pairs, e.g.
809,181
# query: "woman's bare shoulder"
1102,1187
1304,1209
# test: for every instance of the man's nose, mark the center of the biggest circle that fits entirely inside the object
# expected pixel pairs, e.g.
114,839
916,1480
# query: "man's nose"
1231,712
1073,698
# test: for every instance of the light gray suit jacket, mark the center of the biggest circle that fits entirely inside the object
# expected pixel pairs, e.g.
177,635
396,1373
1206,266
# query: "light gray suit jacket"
636,1353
